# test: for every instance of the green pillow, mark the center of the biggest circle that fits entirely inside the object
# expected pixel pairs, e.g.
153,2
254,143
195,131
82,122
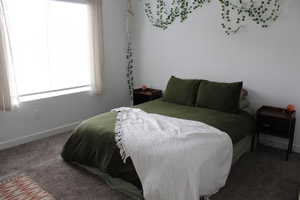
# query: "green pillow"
219,96
181,91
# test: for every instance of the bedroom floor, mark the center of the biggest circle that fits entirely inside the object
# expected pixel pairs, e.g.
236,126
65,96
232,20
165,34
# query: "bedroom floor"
262,175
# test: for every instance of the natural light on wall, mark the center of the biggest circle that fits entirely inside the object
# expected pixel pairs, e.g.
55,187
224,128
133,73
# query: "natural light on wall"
50,44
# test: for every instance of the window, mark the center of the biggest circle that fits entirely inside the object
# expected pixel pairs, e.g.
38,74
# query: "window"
50,42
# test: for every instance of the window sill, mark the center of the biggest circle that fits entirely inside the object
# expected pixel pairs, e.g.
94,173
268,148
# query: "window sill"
50,94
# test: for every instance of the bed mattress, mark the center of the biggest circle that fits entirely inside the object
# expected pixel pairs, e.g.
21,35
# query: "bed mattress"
92,143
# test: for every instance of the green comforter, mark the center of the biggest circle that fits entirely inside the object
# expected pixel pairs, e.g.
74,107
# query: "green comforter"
92,142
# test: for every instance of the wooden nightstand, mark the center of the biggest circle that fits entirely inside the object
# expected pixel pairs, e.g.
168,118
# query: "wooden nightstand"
277,122
143,95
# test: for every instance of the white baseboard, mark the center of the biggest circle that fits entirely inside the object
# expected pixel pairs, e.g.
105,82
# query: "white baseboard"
38,135
277,142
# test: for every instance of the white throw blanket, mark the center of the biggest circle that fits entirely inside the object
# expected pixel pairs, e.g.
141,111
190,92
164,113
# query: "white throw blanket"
175,159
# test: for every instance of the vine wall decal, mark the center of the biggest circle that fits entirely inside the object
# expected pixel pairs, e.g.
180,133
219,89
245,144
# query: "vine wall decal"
234,13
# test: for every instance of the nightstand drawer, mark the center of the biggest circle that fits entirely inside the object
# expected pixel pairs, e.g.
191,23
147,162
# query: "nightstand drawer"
138,98
273,126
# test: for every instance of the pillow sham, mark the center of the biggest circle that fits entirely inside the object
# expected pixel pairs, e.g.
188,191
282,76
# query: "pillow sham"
244,93
219,96
181,91
244,103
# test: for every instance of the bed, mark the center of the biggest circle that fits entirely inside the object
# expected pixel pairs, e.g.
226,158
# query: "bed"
92,144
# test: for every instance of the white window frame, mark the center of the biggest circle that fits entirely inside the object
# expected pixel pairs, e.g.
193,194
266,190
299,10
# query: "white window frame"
54,93
58,92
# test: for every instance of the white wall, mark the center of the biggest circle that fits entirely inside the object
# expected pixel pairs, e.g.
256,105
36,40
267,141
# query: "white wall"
37,119
267,60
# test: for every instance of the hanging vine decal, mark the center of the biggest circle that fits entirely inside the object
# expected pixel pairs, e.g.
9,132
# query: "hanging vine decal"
130,68
130,53
162,14
234,13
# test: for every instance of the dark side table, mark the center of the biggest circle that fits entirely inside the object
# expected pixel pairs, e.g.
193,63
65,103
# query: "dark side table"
277,122
142,95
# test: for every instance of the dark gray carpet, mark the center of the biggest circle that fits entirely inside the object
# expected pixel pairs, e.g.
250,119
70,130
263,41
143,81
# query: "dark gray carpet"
263,175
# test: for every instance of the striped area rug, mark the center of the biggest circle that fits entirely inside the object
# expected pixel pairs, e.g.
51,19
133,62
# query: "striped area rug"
22,188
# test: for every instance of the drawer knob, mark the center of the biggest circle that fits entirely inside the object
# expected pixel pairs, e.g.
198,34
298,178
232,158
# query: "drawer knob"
266,125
